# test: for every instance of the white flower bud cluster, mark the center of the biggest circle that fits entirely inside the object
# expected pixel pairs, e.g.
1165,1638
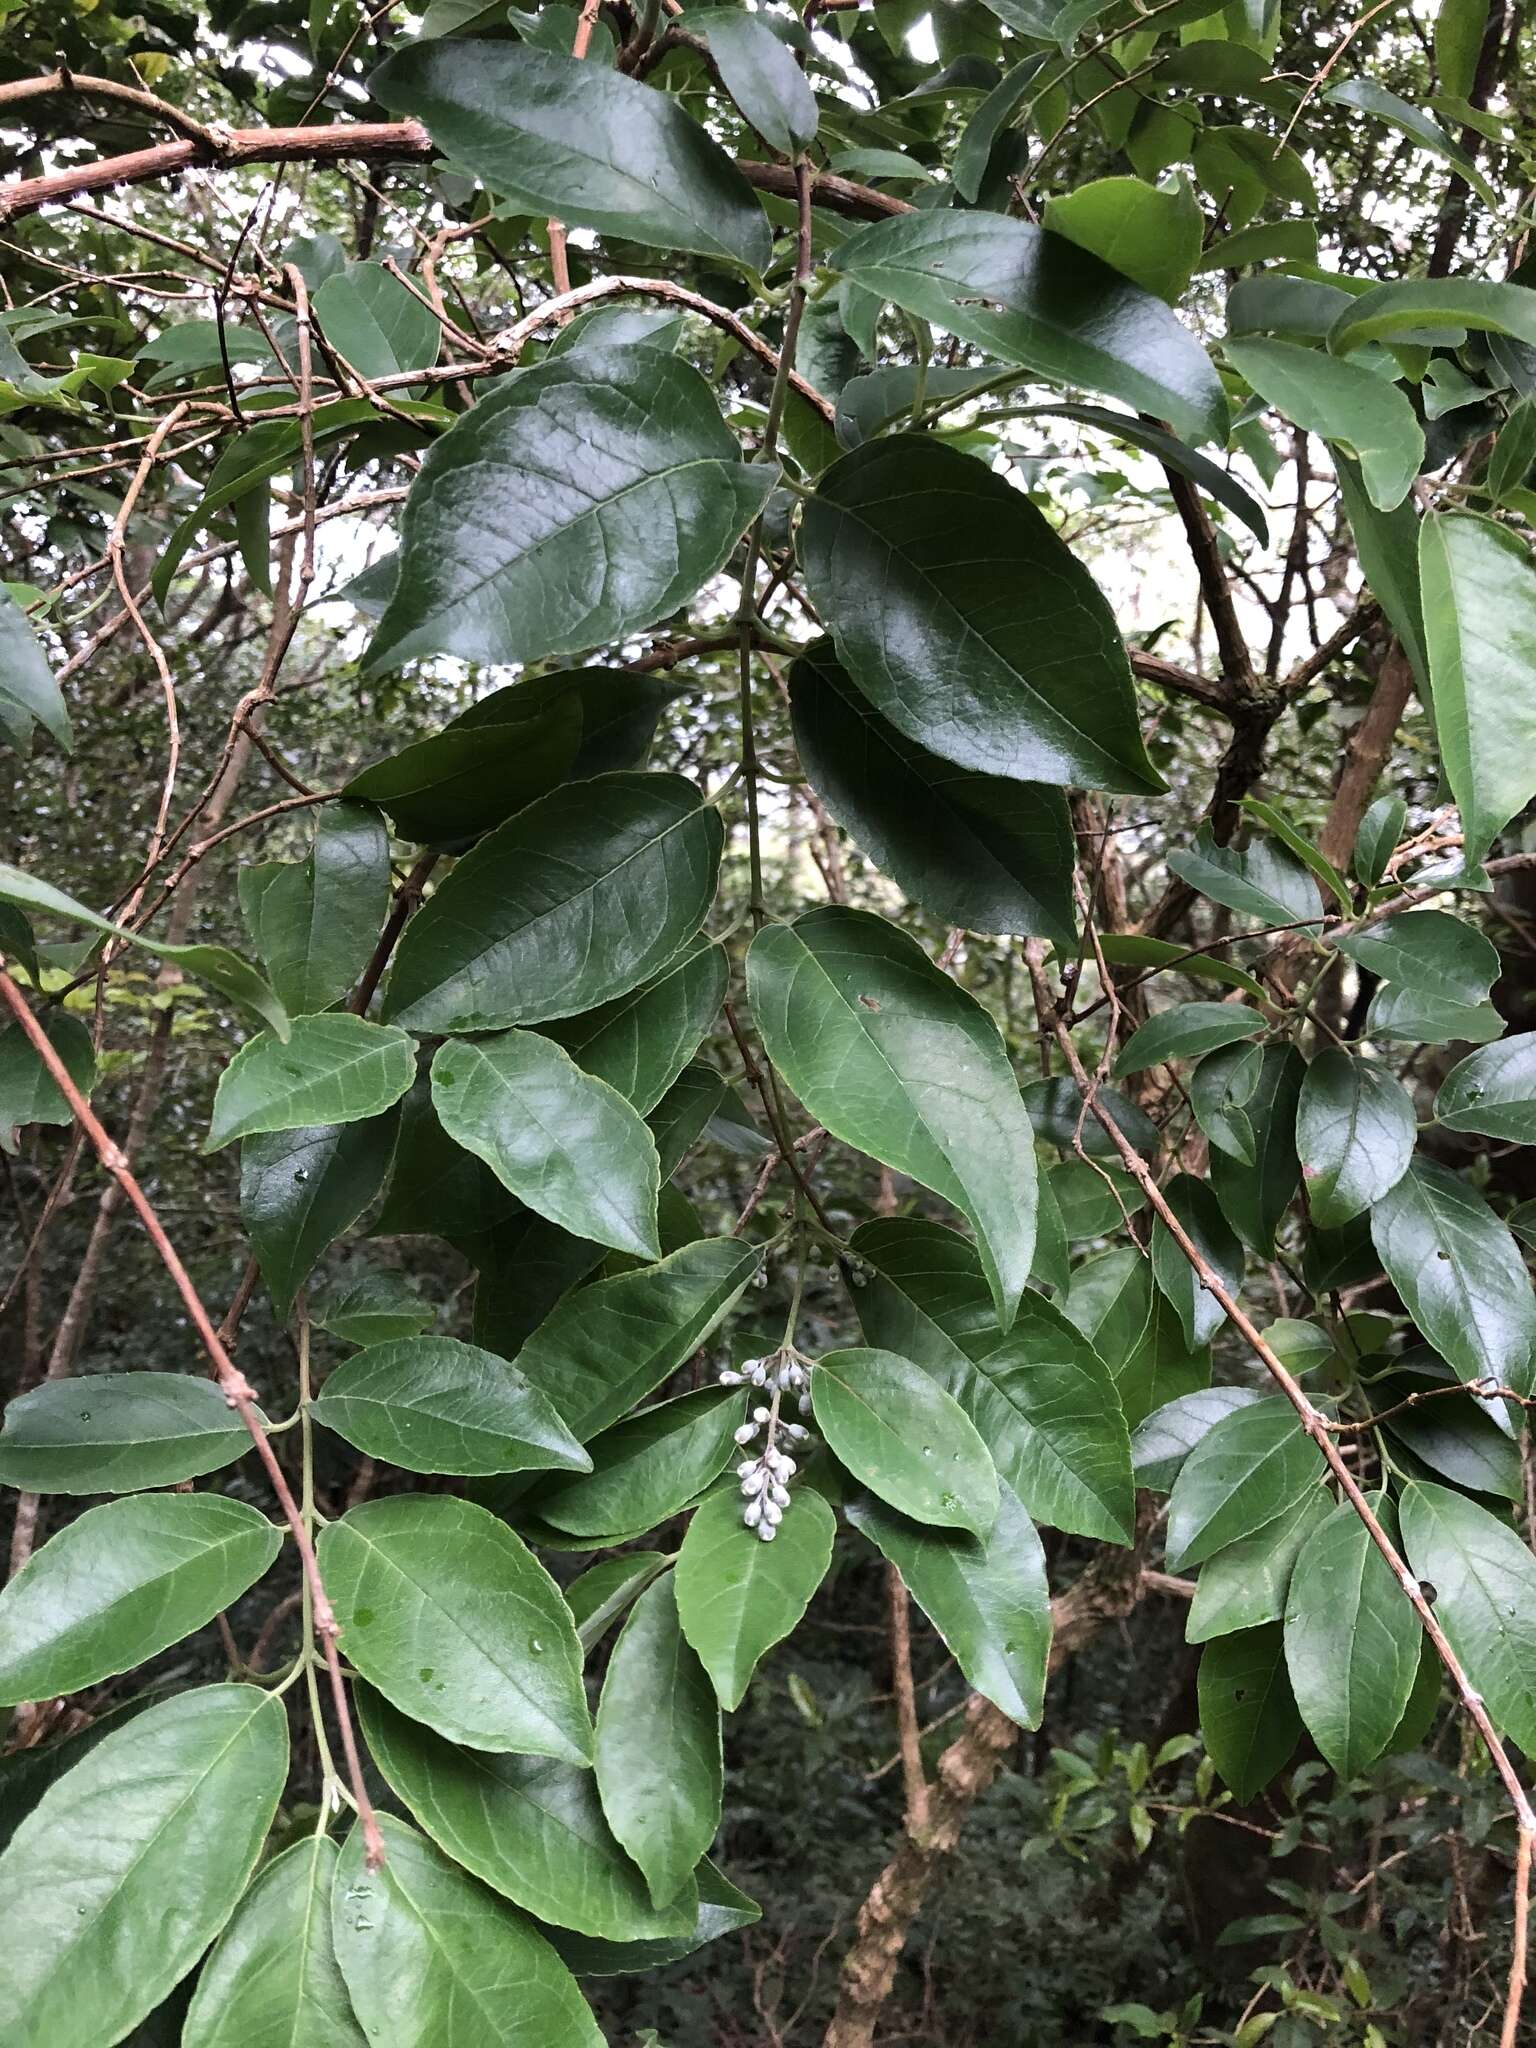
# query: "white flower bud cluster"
765,1477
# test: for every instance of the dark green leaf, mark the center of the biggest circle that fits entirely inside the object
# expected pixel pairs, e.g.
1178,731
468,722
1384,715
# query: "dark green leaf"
1195,1204
1456,1438
123,1582
1220,1089
130,1864
1376,841
607,1589
576,900
28,1092
1509,461
647,1467
27,689
722,1910
960,614
1034,299
1245,1584
1341,402
640,1043
1387,544
1130,949
1355,1128
1365,96
581,142
316,923
437,1187
1185,1032
1165,1438
736,1595
906,1439
1254,1199
117,1432
1460,26
1057,1114
273,1980
432,1404
1252,1465
991,120
1135,1330
378,1309
1276,823
1092,1200
1493,1091
760,74
299,1190
1247,1714
894,1057
1485,1598
1263,881
1435,302
334,1069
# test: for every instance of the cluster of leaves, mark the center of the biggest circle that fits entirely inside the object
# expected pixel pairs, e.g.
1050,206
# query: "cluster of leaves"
520,1066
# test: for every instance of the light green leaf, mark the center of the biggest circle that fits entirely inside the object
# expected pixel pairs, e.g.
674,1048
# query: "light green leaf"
1247,1714
1355,1129
895,1058
1149,233
1435,302
640,1043
576,900
1485,1598
569,1146
378,1309
911,1443
1460,26
123,1582
660,1771
736,1595
1441,970
1376,841
1253,1464
1186,1032
647,1467
273,1980
1129,949
333,1069
432,1404
449,1614
118,1432
960,614
375,322
130,1864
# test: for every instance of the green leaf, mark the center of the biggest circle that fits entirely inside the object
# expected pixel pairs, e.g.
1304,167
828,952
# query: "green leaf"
960,614
1149,233
449,1614
1245,1584
334,1069
1220,1089
1513,452
433,1960
28,691
437,1187
1435,302
580,501
988,1598
377,1310
1249,1467
1445,966
375,322
131,1862
1351,1640
736,1595
1195,1204
1460,1274
647,1467
1093,1200
1135,1330
759,72
1376,841
432,1404
579,898
1479,588
1185,1032
530,1827
1253,1199
979,851
16,940
1279,825
1171,452
640,1043
223,971
299,1190
1041,1398
1355,1129
117,1432
273,1979
1129,949
316,923
1264,881
569,1146
1057,1115
607,1589
895,1058
580,142
28,1092
123,1582
1247,1714
1493,1091
991,120
722,1909
1460,26
609,1345
1485,1598
1455,1438
660,1771
911,1443
1165,1438
1033,298
1365,96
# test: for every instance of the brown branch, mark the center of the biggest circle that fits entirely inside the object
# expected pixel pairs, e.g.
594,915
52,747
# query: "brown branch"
913,1781
73,84
1365,756
237,1390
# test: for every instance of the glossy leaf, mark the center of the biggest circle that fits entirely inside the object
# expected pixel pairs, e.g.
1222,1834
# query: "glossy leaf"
1376,841
722,1910
1149,233
1252,1465
1460,1274
1493,1091
1435,302
315,923
299,1190
1033,298
1185,1033
660,1770
759,72
988,1598
1355,1130
335,1069
640,1043
906,1439
131,1862
1246,1584
1254,1198
376,322
1220,1089
28,1092
581,500
432,1404
576,900
648,1466
962,617
1447,964
1041,1398
1195,1205
736,1595
123,1582
1135,1330
1165,1438
569,1146
1247,1714
273,1980
578,141
1479,587
895,1058
118,1432
530,1827
1453,1438
977,850
1342,402
432,1959
449,1614
1485,1598
1262,881
1351,1640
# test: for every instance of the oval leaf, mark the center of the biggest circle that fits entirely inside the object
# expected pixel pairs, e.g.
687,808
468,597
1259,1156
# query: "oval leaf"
335,1069
738,1596
1355,1130
118,1432
905,1438
273,1980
